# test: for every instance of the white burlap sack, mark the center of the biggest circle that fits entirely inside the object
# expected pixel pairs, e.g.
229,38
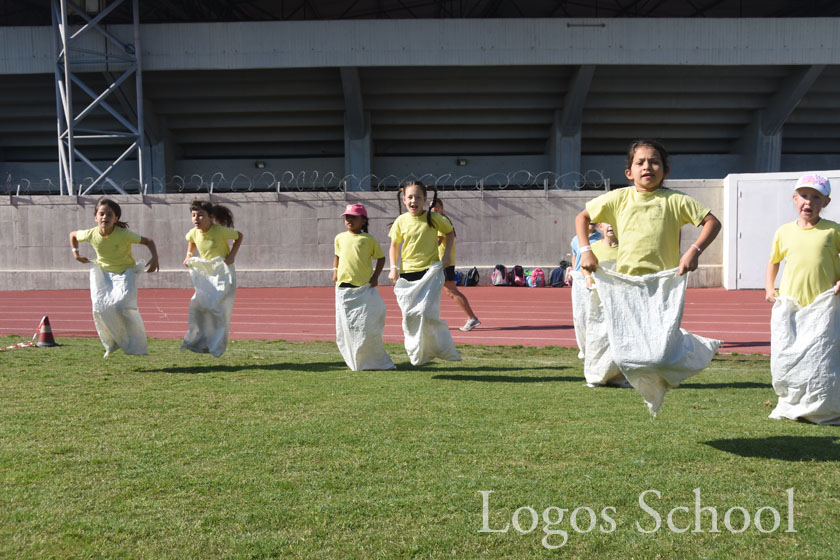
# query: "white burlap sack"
359,325
643,316
804,359
599,368
426,334
211,306
115,314
580,309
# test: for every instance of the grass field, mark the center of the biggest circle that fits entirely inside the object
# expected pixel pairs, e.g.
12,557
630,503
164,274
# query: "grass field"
277,450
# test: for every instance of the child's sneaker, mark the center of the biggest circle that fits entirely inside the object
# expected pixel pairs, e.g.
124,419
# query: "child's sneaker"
471,324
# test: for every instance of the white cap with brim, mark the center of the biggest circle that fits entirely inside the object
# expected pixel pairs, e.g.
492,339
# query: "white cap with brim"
816,182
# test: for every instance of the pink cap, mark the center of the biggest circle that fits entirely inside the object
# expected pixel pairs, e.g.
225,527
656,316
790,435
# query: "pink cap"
355,210
816,182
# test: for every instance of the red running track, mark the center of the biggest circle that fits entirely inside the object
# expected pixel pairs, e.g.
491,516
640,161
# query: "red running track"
509,316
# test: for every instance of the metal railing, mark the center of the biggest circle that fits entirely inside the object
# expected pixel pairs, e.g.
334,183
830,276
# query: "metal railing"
313,180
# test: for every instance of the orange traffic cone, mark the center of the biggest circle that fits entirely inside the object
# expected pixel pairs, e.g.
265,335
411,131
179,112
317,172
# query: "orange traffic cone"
44,333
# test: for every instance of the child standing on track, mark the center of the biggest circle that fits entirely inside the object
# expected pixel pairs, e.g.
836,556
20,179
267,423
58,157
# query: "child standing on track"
213,276
644,299
113,281
419,279
805,321
359,308
449,275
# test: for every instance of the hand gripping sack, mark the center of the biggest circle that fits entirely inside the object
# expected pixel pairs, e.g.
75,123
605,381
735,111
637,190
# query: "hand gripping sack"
426,335
115,313
211,306
359,326
643,315
804,360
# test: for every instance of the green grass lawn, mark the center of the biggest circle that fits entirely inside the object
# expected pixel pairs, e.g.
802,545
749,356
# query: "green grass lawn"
277,450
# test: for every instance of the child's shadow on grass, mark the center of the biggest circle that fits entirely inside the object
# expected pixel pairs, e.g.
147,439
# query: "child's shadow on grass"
495,378
309,367
732,385
785,448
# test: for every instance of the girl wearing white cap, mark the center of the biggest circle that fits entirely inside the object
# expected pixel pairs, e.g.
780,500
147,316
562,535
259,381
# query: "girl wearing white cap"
359,309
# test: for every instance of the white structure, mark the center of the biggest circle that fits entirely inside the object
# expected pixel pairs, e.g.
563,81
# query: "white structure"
755,205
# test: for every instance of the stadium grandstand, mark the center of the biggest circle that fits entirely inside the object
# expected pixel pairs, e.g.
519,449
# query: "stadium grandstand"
157,96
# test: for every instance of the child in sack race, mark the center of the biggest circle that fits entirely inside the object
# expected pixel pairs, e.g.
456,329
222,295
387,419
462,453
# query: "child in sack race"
359,308
649,347
213,276
113,278
419,278
805,322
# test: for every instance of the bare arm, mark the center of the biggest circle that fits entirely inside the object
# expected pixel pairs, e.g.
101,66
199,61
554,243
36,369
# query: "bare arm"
190,252
770,282
335,269
691,258
447,253
588,260
74,243
380,264
153,263
394,273
233,250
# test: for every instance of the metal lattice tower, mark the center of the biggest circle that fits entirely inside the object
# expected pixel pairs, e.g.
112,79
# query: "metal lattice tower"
90,47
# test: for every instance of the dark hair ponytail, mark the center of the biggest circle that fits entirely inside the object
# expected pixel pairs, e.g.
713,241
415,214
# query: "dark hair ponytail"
114,207
431,205
222,215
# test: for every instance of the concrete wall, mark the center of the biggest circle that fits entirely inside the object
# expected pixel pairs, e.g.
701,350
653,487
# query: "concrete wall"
288,238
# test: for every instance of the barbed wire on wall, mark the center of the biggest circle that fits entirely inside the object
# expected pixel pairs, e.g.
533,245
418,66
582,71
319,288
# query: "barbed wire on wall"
313,180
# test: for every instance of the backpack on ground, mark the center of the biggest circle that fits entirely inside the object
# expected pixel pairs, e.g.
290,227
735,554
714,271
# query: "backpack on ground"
459,278
518,276
560,274
536,279
558,277
472,277
499,276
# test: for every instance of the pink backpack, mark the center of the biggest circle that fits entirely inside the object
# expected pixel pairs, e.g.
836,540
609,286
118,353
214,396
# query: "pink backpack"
537,278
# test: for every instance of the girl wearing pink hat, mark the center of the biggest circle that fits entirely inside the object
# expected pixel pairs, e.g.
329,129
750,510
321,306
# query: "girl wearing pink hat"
359,309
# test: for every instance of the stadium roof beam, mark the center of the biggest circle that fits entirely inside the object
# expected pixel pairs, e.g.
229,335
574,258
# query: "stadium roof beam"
564,140
358,140
761,143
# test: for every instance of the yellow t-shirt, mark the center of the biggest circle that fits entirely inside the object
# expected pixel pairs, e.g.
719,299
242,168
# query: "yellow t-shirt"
213,242
812,262
648,225
419,241
114,251
442,247
354,252
604,252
